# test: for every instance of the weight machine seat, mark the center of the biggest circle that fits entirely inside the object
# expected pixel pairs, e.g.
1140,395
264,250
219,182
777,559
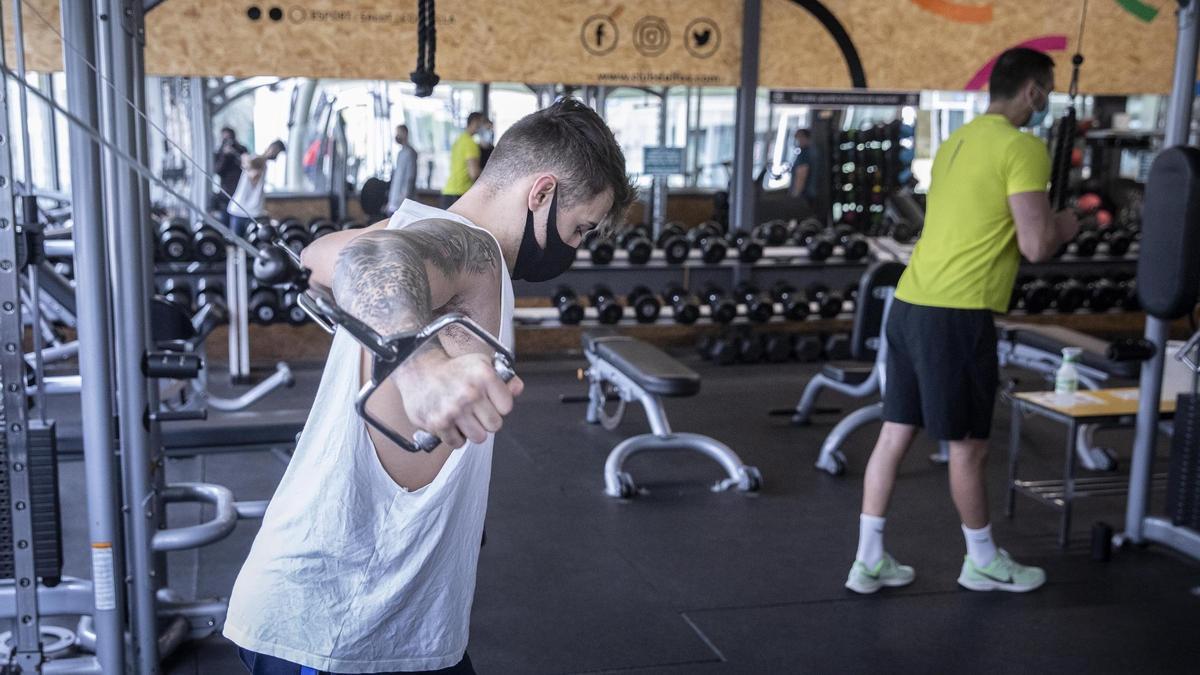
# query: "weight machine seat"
1052,339
847,373
868,311
648,366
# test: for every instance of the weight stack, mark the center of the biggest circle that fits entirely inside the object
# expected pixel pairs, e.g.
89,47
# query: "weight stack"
47,519
1183,473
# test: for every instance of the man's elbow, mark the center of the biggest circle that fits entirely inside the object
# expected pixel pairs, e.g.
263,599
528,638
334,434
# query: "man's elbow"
1035,252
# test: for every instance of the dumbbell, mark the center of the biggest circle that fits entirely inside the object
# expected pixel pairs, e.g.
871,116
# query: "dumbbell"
854,245
819,244
178,291
319,227
174,239
1102,295
294,235
1086,243
749,248
829,303
721,308
749,348
807,348
264,233
570,312
209,292
795,305
674,243
721,350
800,233
707,237
350,224
646,306
684,305
600,250
264,305
1129,295
608,310
207,244
902,231
1035,295
759,307
772,232
1069,295
1119,241
637,245
777,347
293,313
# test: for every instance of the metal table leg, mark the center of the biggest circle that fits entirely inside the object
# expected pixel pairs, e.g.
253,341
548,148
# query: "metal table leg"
1014,449
1068,483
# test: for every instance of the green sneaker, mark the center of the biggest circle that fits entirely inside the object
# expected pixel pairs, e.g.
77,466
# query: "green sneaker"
1002,574
887,572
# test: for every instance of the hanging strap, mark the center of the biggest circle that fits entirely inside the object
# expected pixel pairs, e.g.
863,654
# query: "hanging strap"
424,76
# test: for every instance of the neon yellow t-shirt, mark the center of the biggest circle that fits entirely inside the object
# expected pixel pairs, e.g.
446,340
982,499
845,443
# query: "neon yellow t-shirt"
967,255
459,181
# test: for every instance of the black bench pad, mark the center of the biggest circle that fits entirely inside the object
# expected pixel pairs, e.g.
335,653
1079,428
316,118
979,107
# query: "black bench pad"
847,373
1053,338
650,367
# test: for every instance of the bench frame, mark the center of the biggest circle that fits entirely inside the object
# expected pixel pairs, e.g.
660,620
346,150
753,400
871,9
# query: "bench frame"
605,379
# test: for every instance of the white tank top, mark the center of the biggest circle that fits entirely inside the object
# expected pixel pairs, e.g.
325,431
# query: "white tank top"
350,572
249,199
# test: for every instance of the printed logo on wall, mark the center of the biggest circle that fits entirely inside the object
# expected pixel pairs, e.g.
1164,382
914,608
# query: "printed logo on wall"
599,34
702,38
651,36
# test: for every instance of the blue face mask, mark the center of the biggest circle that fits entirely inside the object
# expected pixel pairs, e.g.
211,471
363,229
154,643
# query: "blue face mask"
1039,116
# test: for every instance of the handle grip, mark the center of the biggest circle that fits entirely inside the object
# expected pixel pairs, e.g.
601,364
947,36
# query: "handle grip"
426,442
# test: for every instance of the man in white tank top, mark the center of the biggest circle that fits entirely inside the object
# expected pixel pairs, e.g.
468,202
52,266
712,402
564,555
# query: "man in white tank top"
249,200
367,555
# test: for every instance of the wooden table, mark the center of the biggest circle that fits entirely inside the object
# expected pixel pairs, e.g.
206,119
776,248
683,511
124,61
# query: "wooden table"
1112,407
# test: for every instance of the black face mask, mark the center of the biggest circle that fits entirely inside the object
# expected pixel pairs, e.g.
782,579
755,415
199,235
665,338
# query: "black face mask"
541,264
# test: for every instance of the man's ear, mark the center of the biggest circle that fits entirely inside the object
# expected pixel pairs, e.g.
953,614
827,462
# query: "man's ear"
542,191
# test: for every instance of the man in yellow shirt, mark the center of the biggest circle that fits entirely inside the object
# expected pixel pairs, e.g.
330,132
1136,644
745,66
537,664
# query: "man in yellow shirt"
987,207
465,163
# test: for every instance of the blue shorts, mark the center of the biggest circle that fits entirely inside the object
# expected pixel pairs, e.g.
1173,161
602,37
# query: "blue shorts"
262,664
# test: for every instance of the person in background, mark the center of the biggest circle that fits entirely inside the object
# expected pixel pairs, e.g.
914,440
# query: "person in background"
804,183
227,164
249,198
465,163
987,207
404,172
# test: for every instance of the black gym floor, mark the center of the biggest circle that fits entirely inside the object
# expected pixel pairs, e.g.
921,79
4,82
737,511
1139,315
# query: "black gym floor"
682,580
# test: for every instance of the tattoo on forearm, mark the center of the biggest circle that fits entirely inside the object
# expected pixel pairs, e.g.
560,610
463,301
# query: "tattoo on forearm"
381,277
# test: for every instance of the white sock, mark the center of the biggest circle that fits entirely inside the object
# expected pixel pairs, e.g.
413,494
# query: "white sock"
870,539
980,546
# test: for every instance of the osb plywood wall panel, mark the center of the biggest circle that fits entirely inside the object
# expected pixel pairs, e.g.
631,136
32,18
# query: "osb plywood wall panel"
806,44
949,44
43,51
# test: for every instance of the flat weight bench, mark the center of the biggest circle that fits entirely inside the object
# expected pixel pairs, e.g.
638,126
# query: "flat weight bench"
630,369
1039,349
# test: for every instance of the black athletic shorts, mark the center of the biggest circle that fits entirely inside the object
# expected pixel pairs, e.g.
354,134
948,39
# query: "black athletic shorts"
942,370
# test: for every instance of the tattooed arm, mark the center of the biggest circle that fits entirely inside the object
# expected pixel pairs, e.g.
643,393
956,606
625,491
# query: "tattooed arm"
393,280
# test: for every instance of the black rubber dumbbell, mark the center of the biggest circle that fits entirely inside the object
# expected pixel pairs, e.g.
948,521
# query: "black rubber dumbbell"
264,233
829,303
1086,243
637,245
777,347
1069,295
850,296
807,348
772,232
293,313
684,305
749,347
179,292
210,292
1130,301
570,312
264,305
721,308
818,243
1102,295
721,350
759,307
207,244
294,235
795,304
902,231
803,231
854,245
350,224
174,239
1119,241
646,306
601,250
319,227
674,243
749,248
608,310
1036,295
707,237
